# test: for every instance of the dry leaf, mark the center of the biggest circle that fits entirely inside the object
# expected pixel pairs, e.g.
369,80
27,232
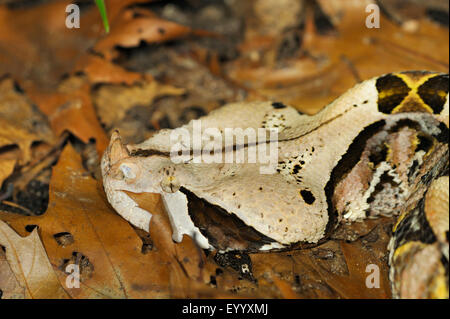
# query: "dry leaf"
70,108
98,70
39,53
113,101
327,65
9,286
6,168
108,248
20,123
129,29
29,263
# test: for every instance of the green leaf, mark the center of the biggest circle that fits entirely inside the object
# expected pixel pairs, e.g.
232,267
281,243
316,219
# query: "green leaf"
101,7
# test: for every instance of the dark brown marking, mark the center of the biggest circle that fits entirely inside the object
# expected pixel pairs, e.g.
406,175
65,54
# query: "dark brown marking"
405,232
425,143
146,153
392,90
434,92
278,105
307,196
344,166
223,230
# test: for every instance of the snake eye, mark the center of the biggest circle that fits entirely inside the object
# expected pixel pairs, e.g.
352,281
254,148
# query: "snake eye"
127,171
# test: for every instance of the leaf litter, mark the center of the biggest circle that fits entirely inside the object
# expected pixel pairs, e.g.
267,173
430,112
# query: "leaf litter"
63,91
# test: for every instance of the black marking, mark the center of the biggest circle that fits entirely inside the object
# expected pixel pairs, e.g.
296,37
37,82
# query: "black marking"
442,137
30,228
434,92
344,166
385,178
146,153
296,169
379,156
238,261
278,105
224,230
414,227
438,15
413,170
307,196
405,123
393,91
425,143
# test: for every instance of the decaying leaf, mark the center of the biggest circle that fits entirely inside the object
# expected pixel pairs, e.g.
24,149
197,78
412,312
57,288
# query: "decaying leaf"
9,285
139,78
21,123
70,108
6,168
132,27
29,263
80,227
113,101
99,70
326,65
39,53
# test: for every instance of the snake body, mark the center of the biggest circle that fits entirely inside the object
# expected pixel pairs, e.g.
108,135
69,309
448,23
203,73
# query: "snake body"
379,149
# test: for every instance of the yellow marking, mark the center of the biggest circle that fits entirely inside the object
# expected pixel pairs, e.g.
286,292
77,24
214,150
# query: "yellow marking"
388,152
439,284
414,84
407,248
386,93
413,95
400,218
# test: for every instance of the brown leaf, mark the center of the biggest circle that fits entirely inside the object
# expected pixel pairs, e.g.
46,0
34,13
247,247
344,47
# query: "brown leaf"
327,65
6,168
98,70
20,123
113,101
39,53
128,31
71,109
114,266
29,263
107,247
9,285
335,269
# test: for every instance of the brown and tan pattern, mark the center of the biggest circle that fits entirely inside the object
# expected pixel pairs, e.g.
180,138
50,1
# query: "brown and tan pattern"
380,149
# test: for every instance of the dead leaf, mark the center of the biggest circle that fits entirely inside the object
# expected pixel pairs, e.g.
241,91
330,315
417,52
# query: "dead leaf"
21,124
37,54
70,108
6,168
113,101
328,65
29,263
113,265
98,70
9,286
132,27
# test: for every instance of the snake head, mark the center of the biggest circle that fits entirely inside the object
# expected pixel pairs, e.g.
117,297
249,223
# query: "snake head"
121,173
